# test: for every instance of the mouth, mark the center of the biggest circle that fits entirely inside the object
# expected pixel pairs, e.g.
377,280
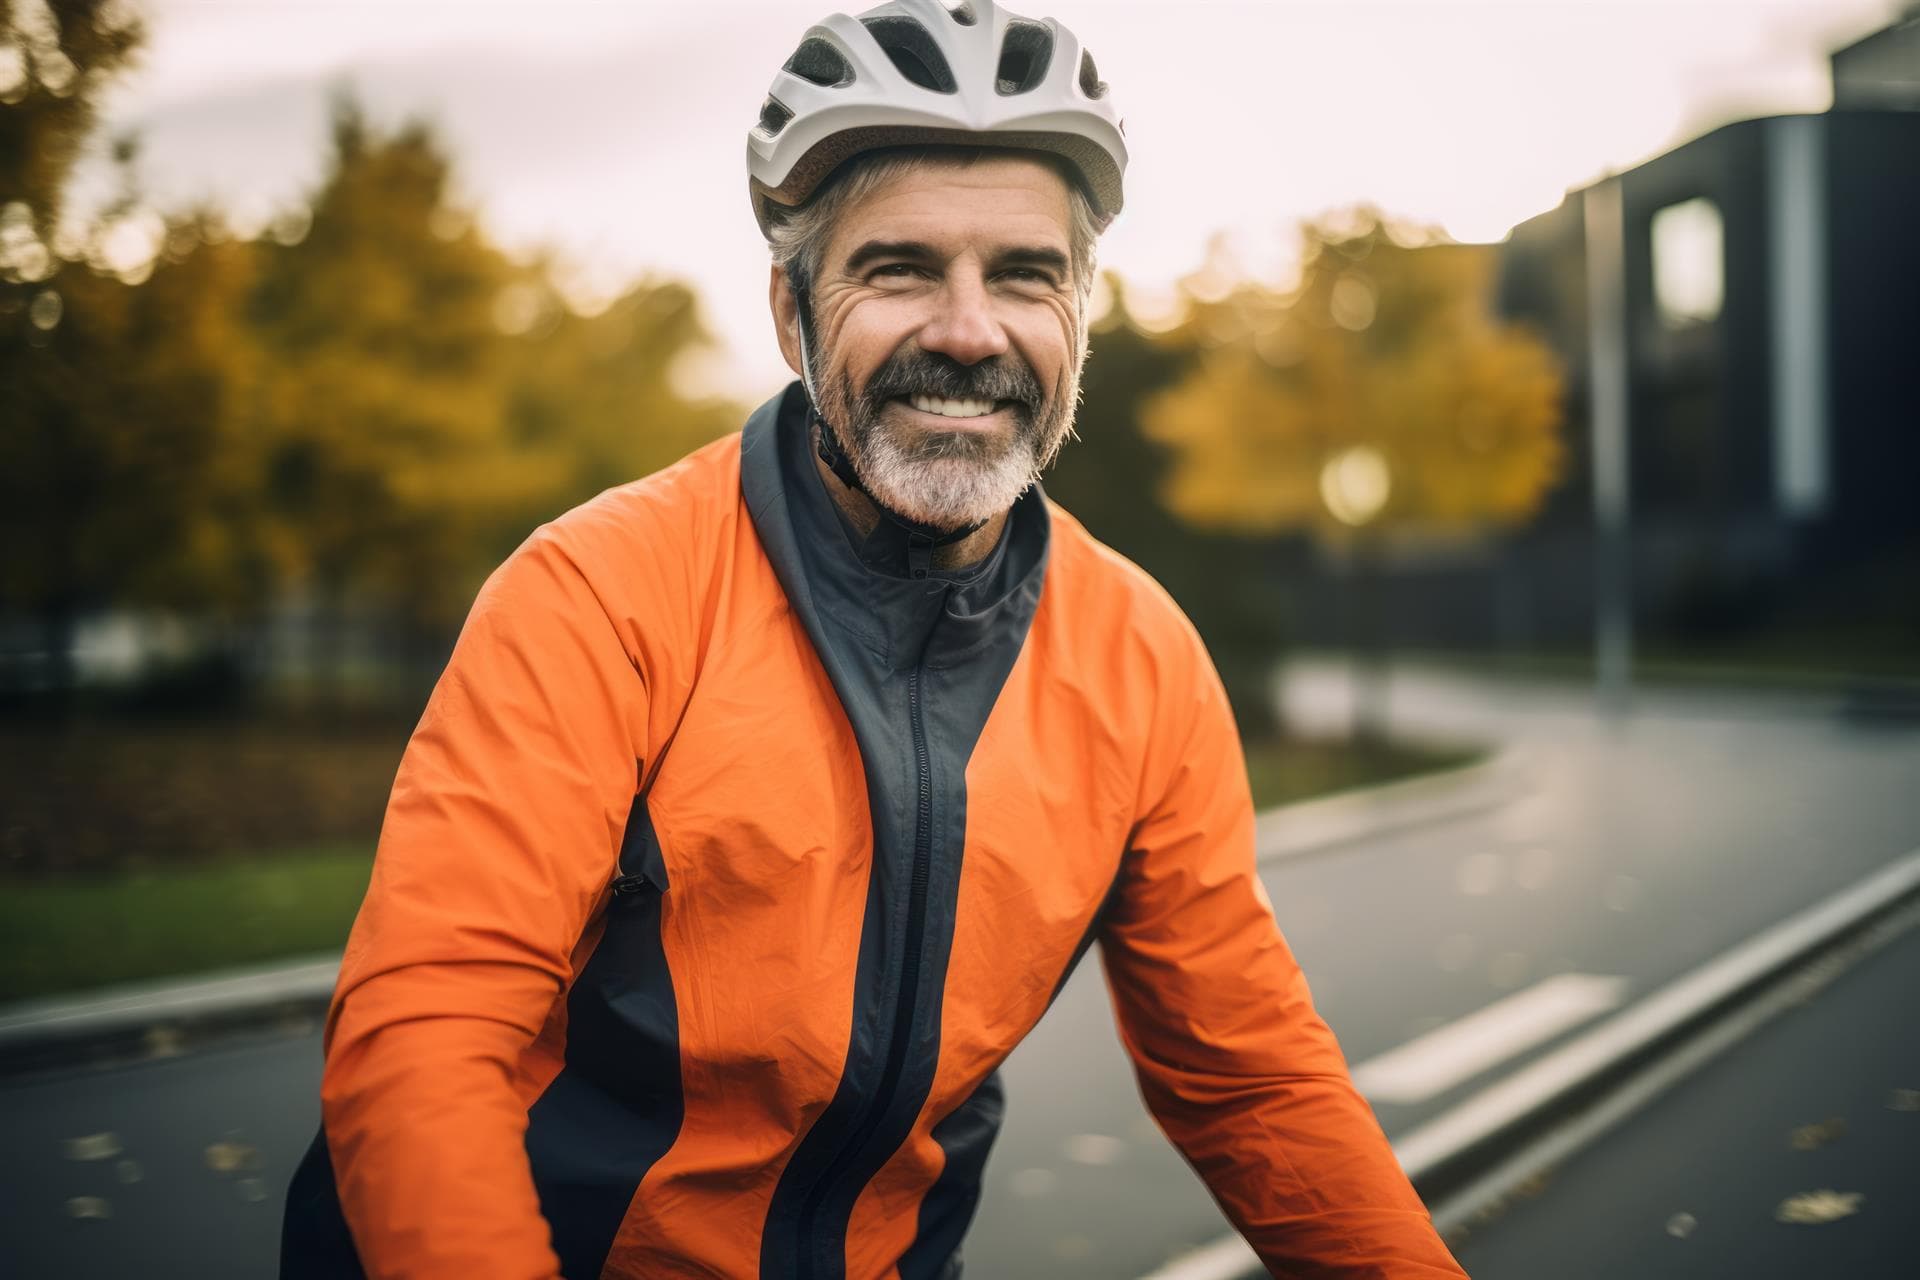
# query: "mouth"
957,412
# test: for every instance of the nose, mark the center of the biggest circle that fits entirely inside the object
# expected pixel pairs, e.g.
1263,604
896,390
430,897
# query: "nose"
963,325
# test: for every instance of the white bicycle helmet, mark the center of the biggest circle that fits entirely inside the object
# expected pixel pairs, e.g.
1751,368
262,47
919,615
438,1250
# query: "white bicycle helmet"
927,71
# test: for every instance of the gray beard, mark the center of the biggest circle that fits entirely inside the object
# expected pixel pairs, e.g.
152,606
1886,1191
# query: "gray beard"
948,480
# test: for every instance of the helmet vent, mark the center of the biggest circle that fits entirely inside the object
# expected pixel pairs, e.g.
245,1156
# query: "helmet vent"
1025,55
1090,82
773,117
960,11
820,62
913,50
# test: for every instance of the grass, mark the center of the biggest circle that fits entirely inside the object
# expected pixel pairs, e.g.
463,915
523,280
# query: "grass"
1290,769
72,931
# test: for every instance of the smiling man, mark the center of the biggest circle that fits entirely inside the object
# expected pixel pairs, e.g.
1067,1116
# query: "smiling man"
767,802
942,283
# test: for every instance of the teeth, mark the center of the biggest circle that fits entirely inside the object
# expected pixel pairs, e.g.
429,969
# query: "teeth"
951,408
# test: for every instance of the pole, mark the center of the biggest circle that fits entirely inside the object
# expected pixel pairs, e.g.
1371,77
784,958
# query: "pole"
1607,379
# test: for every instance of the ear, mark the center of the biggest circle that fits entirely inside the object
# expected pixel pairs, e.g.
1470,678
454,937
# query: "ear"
786,317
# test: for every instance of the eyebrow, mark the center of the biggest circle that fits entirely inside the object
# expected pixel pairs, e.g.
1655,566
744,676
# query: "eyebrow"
919,251
876,250
1034,256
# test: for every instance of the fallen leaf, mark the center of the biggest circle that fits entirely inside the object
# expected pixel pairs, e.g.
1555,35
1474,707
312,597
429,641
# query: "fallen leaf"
94,1208
1533,1184
231,1157
1811,1208
1904,1100
1094,1148
1681,1225
164,1042
94,1146
1811,1136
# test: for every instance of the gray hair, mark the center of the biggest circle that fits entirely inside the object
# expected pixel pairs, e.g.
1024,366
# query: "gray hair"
798,238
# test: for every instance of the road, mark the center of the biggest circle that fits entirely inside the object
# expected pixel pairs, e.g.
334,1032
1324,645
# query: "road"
1631,851
1637,849
1815,1119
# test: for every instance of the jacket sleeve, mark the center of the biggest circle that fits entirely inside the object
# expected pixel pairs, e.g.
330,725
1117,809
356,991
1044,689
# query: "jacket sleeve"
1241,1073
498,841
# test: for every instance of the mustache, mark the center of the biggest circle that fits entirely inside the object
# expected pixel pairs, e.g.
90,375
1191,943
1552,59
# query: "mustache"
912,372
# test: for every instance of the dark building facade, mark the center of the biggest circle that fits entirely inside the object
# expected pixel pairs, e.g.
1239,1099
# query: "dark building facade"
1769,285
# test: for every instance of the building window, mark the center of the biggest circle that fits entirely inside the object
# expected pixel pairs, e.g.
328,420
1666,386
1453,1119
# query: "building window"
1689,277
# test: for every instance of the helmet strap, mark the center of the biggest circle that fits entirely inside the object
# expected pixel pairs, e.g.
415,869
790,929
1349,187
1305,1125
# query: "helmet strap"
922,539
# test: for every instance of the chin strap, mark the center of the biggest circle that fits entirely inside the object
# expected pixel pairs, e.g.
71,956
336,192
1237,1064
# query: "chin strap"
922,539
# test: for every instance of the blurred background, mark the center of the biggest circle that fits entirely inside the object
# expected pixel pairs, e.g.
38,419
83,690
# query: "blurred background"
1517,394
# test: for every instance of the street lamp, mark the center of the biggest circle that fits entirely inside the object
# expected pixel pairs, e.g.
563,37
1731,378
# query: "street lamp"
1355,484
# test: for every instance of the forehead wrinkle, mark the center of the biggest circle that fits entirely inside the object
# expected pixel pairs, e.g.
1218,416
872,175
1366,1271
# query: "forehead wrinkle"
943,208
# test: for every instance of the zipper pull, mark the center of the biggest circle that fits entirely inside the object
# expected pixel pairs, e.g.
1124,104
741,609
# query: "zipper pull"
625,885
919,554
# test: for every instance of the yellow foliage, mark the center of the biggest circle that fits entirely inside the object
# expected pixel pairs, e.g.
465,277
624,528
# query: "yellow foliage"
428,401
369,406
1383,346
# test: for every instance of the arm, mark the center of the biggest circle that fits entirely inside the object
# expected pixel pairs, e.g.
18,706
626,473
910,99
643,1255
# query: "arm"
497,844
1233,1061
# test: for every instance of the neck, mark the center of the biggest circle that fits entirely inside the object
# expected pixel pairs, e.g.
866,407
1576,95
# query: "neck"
859,508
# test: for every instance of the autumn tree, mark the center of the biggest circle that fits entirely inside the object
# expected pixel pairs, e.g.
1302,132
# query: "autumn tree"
1112,479
600,395
367,406
1379,397
68,438
379,411
56,56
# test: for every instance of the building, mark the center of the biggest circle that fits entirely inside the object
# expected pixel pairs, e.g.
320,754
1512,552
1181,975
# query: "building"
1768,295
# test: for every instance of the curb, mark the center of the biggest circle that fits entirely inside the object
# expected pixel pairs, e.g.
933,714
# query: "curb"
1328,822
1663,677
160,1017
1469,1156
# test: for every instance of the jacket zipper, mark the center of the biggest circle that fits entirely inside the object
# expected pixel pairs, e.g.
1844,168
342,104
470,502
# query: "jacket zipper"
900,1033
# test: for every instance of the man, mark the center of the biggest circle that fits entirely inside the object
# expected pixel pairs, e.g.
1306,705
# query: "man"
767,802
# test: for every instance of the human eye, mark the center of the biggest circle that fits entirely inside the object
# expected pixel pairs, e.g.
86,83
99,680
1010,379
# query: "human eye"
1030,278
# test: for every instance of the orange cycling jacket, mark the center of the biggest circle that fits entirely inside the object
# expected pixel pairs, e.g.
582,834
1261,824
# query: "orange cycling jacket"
733,854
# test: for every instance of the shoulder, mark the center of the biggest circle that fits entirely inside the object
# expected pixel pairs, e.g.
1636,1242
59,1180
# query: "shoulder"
644,554
1097,587
670,513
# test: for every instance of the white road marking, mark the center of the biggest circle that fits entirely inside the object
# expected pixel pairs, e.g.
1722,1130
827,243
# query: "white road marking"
1443,1058
1527,1094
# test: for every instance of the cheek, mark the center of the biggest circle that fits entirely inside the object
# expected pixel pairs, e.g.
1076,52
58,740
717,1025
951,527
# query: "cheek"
863,336
1051,341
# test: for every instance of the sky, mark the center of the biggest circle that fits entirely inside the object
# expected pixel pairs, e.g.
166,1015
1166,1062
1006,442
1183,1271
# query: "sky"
615,132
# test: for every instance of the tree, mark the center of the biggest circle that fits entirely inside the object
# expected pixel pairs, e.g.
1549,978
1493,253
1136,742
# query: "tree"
367,406
379,409
55,420
56,57
598,395
1380,396
1112,479
427,400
